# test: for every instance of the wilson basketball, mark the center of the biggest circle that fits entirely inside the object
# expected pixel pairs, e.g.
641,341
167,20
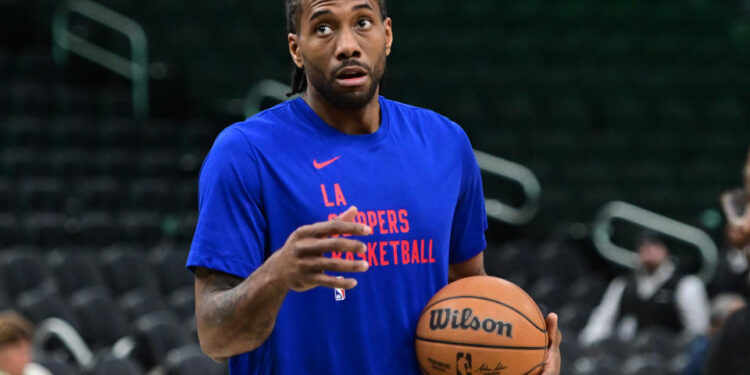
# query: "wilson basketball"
481,325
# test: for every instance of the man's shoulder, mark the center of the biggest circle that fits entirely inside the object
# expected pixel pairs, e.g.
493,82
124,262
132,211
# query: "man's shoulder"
264,126
422,117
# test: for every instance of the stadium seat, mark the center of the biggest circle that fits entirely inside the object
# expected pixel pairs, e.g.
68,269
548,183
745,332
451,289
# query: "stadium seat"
169,265
106,363
119,263
140,302
645,364
117,163
42,194
190,360
19,162
57,366
182,302
144,227
150,194
100,193
9,230
101,321
98,228
45,302
22,269
75,269
157,334
49,229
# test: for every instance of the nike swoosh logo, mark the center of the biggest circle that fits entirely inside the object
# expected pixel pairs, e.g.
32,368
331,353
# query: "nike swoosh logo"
325,163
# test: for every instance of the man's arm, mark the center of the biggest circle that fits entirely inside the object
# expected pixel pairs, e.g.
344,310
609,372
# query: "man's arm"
471,267
603,319
235,316
693,305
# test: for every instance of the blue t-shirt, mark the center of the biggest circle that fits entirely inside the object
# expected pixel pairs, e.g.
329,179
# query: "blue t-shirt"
415,181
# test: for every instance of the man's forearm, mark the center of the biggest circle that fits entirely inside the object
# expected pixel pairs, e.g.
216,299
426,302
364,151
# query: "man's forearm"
235,316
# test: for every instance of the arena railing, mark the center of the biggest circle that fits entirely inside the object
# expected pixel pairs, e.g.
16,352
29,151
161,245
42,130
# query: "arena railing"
60,329
65,42
519,174
602,236
490,164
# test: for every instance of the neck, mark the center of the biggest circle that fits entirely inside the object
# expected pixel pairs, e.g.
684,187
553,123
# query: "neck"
365,120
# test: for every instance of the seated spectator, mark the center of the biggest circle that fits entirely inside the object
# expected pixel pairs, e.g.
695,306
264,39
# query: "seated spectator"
722,307
15,346
729,353
733,273
655,295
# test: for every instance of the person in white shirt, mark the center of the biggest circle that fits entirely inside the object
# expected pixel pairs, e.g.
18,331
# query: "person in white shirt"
655,295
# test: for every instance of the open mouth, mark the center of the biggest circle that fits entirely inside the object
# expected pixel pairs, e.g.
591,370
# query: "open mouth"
352,76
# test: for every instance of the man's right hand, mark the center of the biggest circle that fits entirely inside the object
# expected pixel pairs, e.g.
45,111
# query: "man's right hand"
301,263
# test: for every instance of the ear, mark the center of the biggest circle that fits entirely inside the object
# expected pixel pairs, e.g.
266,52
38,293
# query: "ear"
294,50
388,24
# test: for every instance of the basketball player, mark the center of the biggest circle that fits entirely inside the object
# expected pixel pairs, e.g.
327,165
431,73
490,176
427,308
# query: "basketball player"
291,277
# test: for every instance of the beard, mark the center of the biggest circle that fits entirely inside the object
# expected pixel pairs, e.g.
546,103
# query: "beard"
348,100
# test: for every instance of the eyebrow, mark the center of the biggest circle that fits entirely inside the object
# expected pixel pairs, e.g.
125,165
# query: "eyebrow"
362,6
319,14
323,12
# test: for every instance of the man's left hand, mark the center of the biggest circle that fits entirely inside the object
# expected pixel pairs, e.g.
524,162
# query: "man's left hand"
552,361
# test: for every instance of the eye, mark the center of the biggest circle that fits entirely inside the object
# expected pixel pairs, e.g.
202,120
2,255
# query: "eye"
323,29
364,23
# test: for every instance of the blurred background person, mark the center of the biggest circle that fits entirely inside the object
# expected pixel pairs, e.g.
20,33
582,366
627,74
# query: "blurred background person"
15,346
729,352
722,307
733,274
655,295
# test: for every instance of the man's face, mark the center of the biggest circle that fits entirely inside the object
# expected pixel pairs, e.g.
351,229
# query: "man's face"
652,255
14,357
342,45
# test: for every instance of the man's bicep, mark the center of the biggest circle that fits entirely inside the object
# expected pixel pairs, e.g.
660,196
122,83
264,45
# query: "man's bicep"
471,267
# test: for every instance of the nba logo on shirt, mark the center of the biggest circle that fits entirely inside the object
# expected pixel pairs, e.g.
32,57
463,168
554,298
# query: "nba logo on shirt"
339,293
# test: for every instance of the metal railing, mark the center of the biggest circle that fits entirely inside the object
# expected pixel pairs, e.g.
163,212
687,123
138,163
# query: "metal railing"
135,68
515,172
488,163
602,232
265,89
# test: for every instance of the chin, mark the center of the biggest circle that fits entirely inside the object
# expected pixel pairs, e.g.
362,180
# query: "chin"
352,100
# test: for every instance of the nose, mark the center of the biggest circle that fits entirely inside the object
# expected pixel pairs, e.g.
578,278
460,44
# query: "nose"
347,46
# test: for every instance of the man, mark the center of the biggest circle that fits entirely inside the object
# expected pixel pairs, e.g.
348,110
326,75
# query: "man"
280,247
15,346
654,296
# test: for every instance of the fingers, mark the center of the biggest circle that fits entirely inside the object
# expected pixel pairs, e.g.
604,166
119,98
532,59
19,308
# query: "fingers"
331,227
327,245
339,265
348,215
333,282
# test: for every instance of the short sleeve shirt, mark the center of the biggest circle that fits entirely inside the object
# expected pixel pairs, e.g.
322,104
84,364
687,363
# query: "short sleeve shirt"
415,181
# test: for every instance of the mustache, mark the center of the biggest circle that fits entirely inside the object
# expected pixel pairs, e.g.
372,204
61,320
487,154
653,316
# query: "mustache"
350,63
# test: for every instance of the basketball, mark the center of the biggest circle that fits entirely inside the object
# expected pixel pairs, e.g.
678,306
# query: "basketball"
481,325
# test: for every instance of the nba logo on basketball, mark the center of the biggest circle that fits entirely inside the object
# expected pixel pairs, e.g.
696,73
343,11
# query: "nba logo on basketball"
339,293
